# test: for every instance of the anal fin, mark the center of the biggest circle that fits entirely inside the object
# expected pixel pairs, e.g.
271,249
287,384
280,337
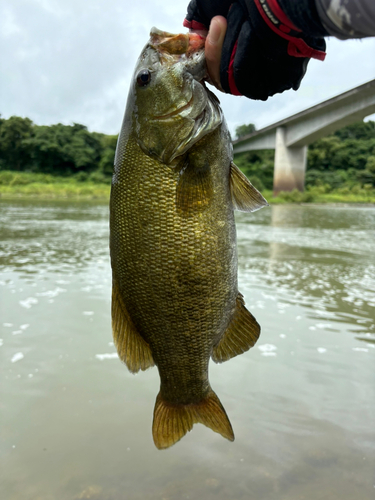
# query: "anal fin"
242,333
173,421
132,349
245,197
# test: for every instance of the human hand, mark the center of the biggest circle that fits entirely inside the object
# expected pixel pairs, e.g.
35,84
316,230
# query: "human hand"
256,59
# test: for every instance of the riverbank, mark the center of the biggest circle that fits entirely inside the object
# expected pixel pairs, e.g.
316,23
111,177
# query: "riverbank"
45,186
322,195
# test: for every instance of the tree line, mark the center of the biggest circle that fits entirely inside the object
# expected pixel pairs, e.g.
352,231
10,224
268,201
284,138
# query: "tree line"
62,150
345,158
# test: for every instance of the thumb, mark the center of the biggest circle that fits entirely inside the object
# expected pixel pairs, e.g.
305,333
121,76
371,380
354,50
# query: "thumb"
213,48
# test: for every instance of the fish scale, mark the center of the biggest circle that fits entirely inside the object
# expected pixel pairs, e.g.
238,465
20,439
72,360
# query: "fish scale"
175,301
163,274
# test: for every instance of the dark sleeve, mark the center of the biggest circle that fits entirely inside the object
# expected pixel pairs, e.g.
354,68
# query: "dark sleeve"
340,18
347,18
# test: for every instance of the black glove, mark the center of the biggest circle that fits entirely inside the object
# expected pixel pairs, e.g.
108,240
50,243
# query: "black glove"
264,53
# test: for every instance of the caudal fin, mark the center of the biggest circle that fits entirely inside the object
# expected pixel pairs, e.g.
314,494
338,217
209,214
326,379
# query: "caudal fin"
173,421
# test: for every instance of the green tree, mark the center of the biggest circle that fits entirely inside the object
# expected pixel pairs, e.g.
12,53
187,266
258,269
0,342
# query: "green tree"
107,159
258,166
243,130
15,151
65,149
367,176
359,130
343,158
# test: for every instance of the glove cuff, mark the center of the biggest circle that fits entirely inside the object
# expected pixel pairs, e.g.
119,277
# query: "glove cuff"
279,23
305,15
202,11
194,25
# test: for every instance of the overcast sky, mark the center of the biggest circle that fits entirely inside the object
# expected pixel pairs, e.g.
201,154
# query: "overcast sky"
71,61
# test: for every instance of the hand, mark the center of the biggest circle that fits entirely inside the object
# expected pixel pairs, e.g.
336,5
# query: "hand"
213,48
246,53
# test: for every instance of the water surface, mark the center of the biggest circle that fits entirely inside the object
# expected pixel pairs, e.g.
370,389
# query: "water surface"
76,424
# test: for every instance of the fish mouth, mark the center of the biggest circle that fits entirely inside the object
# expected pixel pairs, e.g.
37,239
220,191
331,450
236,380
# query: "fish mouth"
180,44
187,51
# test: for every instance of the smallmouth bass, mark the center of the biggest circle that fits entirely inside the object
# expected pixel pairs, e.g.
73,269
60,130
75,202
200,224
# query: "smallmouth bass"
175,301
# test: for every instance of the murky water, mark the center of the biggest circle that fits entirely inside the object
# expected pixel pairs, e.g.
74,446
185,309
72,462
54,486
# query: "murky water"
76,425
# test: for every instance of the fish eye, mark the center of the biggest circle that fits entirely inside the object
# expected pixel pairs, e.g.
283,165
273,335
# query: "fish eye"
144,77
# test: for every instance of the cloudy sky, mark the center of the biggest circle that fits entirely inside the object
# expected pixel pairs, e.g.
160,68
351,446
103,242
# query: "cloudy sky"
71,61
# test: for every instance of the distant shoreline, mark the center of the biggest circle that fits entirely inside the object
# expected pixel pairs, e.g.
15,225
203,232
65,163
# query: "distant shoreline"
90,193
24,185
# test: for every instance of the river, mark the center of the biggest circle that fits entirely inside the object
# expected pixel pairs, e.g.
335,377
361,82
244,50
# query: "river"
77,425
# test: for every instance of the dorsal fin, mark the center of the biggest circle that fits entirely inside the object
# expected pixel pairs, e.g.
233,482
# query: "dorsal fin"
131,348
245,196
242,333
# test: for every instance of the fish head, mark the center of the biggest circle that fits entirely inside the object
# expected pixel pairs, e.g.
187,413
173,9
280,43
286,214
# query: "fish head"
171,107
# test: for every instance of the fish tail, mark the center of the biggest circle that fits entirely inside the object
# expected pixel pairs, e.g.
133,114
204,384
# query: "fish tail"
173,421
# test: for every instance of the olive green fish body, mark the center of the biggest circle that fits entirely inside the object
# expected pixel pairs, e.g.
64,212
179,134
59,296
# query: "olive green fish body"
176,268
173,241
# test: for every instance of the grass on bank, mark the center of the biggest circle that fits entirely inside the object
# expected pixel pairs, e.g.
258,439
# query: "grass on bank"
324,194
96,186
37,185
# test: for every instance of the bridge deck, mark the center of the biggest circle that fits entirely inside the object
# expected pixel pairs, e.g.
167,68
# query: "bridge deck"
315,122
291,136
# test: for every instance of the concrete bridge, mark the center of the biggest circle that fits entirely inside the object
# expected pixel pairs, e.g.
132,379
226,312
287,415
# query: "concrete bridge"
291,136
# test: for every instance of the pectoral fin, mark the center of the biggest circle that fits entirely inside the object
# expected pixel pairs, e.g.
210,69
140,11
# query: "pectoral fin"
194,188
131,347
245,196
242,333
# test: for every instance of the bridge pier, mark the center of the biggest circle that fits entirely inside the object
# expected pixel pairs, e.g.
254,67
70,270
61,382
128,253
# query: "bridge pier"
290,164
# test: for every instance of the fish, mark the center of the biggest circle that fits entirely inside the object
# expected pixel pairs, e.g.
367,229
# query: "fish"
175,298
